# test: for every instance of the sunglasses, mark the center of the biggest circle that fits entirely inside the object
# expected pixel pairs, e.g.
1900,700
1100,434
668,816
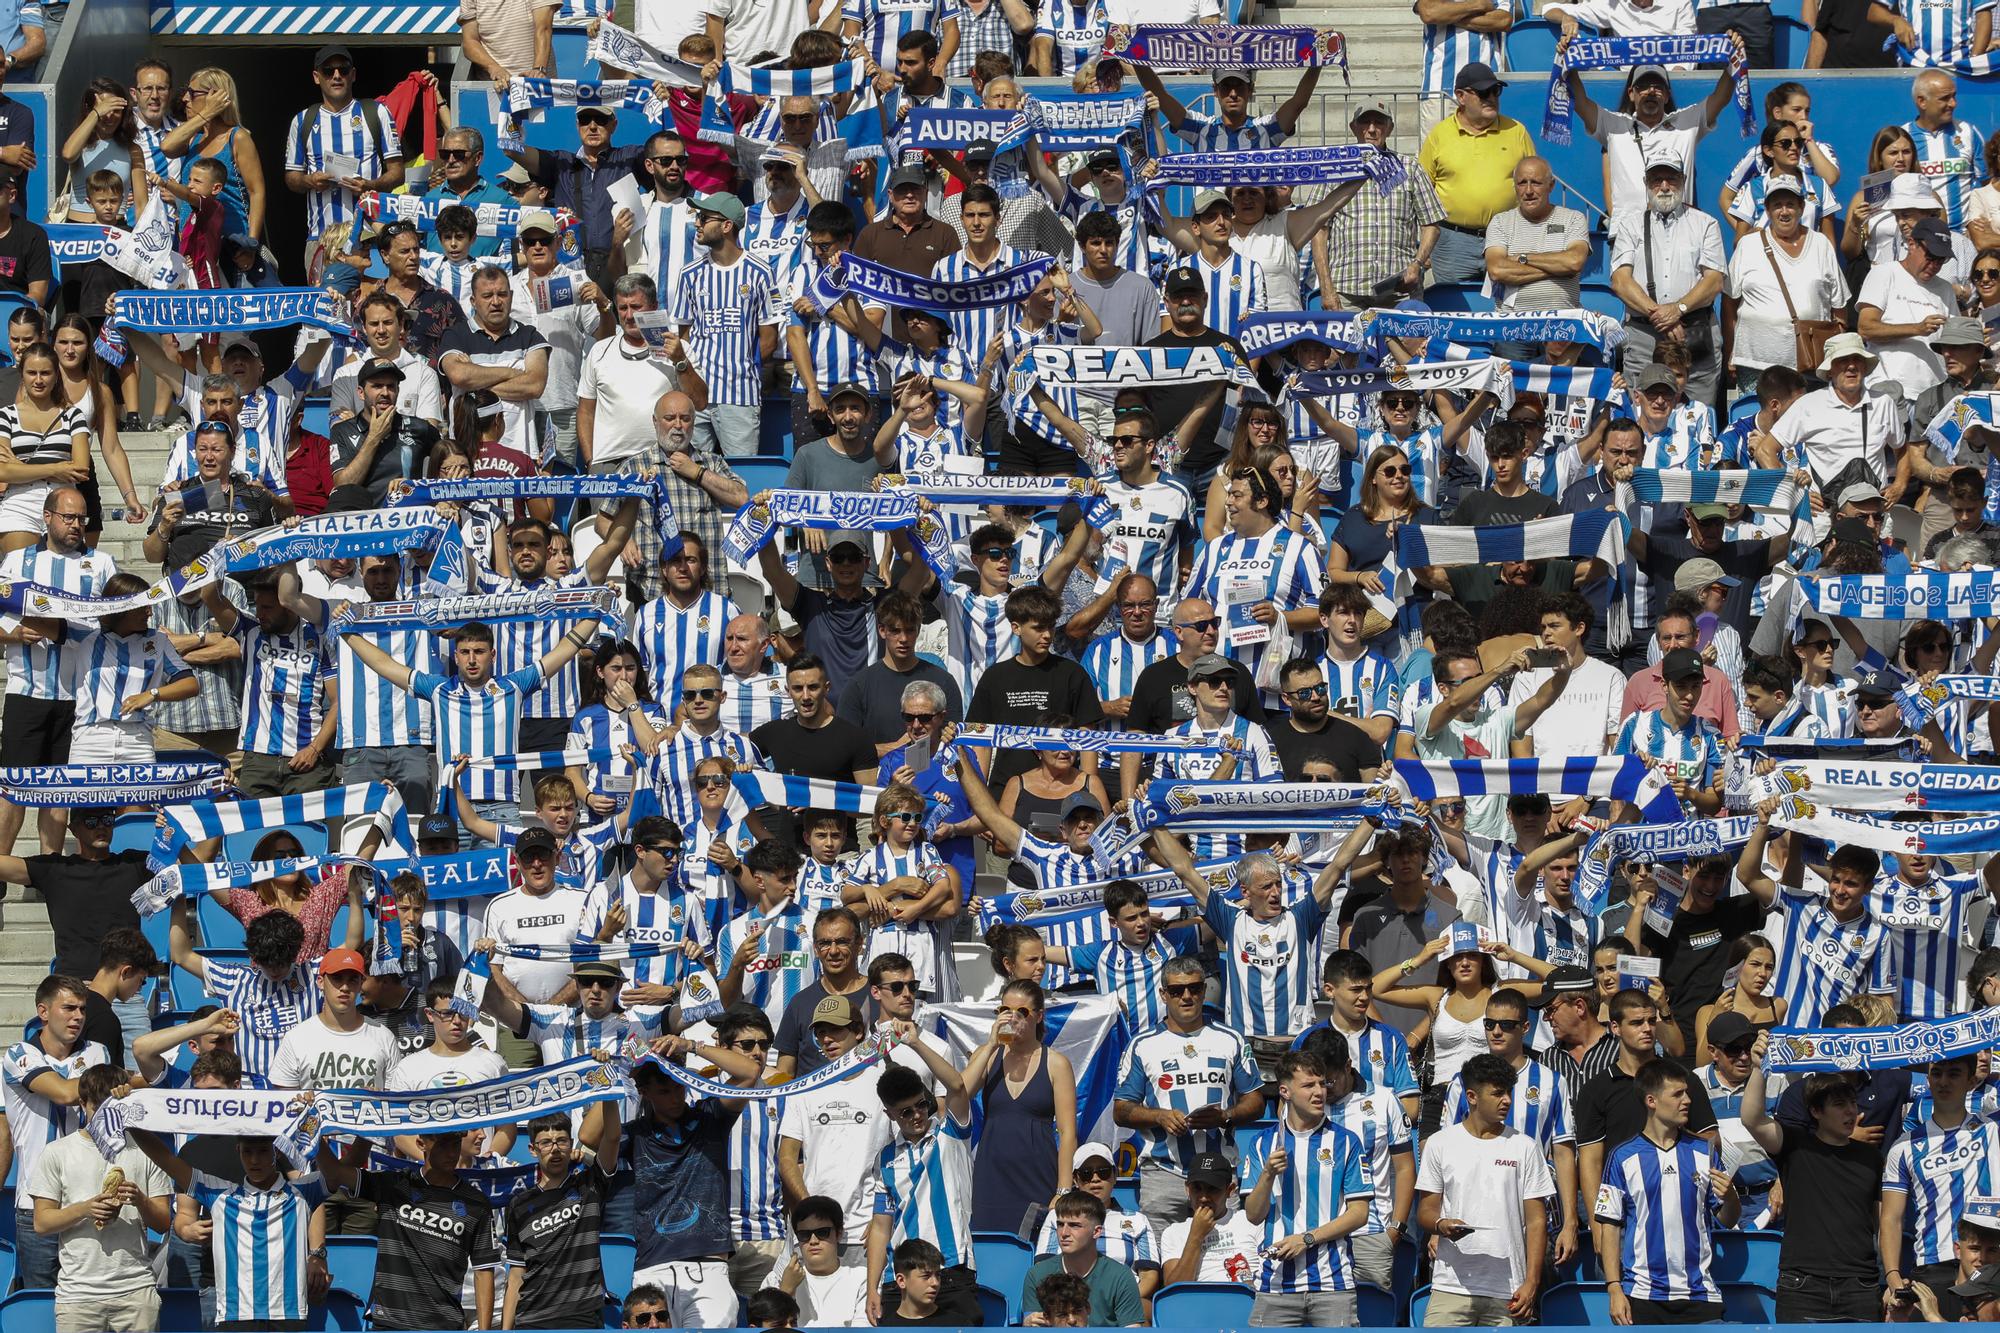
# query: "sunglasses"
916,1111
1392,471
711,781
925,718
1133,439
1503,1024
454,154
905,816
705,693
750,1044
1095,1173
1310,692
845,558
669,160
1986,273
1198,626
647,1318
995,553
899,987
337,68
537,242
1785,143
95,818
1397,400
661,849
815,1233
1182,990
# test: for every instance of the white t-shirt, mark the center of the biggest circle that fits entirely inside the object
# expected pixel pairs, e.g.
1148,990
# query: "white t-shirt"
1907,362
625,385
419,396
314,1056
844,1131
1161,11
111,1262
1814,282
570,330
1483,1182
1270,244
1627,142
1228,1253
838,1300
420,1071
522,918
751,27
1585,713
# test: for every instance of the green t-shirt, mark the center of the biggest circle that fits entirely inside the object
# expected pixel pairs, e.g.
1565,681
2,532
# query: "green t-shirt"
1114,1292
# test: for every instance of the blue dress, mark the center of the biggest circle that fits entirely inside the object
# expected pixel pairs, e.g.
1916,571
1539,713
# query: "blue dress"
235,199
1015,1167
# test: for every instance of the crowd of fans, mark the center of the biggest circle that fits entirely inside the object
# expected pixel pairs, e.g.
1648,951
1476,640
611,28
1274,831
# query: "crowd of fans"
1404,1049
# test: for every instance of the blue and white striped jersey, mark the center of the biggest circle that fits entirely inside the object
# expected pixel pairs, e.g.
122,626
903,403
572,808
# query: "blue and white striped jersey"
782,964
1368,687
927,944
947,363
1207,134
838,357
1692,753
1831,704
756,1201
748,702
1540,1108
1820,202
669,916
1688,440
345,133
1952,162
1287,568
1149,532
1378,1053
668,246
1132,976
1015,340
819,882
936,454
518,646
283,676
1374,1116
562,1031
1425,448
1940,1169
103,670
34,670
972,330
1449,48
1054,866
259,1244
1113,662
1235,290
1075,29
1823,962
720,309
479,723
1268,978
775,237
258,457
1126,1237
1753,164
671,770
926,1188
371,711
269,410
1134,216
265,1009
976,631
1323,1174
580,856
151,137
33,1119
598,728
673,638
883,22
454,276
1926,925
1944,30
1185,1071
1663,1203
716,891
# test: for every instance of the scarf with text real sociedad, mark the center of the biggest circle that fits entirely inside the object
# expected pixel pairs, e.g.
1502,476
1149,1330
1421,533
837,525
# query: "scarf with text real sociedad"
1208,46
1651,844
1865,785
1928,595
751,530
1949,837
860,277
327,537
514,1098
1795,1050
1624,53
236,310
72,785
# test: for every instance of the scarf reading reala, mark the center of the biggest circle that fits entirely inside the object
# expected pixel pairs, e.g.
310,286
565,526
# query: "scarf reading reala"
1624,53
1920,701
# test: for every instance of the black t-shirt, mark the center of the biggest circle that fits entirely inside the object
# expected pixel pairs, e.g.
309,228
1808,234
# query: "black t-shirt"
873,699
1852,42
1171,405
837,750
552,1236
24,256
1487,506
1830,1206
1161,702
85,900
794,1036
100,1023
1694,955
891,1319
1019,695
1668,548
1610,1108
681,1183
213,511
427,1237
1352,750
405,449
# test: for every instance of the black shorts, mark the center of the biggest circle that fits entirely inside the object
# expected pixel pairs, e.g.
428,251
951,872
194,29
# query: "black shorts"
1026,454
35,731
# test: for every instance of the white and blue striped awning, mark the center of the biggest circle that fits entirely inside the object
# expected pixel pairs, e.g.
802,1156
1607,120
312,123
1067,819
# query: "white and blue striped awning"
396,18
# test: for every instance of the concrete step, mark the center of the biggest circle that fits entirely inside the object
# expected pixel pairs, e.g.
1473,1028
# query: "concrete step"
26,944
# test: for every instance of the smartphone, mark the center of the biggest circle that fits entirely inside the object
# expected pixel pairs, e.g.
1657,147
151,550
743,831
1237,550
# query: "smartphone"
1389,288
821,422
1546,658
1906,1295
918,755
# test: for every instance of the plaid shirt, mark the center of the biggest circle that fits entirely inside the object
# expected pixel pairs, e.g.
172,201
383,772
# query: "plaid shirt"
697,513
979,32
1375,237
218,704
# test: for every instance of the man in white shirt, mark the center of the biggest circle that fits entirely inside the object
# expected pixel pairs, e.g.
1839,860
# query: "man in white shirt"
537,912
622,380
1588,721
337,1048
41,1077
1829,428
451,1060
1667,267
1216,1242
830,1138
1902,304
1480,1191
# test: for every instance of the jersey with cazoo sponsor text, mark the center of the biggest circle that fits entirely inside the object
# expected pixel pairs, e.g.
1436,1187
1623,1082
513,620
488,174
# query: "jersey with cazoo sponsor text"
1939,1170
552,1238
1185,1071
427,1236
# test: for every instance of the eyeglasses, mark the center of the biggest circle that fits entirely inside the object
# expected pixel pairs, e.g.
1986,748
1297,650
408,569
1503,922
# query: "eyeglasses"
1309,692
814,1233
1095,1173
454,154
899,987
448,1016
1503,1024
704,694
669,160
1181,990
995,553
837,942
69,516
915,1111
1198,626
710,781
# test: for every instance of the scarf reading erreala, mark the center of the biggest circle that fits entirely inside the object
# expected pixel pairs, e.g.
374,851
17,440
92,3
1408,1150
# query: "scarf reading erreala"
77,785
1624,53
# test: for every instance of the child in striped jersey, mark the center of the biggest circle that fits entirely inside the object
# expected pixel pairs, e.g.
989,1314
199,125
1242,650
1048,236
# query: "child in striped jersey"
1128,966
827,859
765,955
117,670
908,889
452,270
1061,864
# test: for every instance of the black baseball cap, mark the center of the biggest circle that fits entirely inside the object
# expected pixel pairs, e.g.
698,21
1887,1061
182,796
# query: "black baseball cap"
979,150
333,51
1478,77
1682,664
1726,1029
1186,278
436,827
1211,1169
1564,981
534,838
909,174
1880,683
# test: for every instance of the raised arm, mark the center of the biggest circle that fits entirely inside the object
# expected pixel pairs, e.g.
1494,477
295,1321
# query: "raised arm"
984,807
381,663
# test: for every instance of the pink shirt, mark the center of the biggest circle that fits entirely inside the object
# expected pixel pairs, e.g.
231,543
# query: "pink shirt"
1717,703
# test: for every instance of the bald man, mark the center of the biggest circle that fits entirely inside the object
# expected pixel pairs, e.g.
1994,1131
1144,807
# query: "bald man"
753,688
703,490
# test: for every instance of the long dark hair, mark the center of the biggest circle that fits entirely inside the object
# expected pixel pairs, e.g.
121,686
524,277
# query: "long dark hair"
466,421
128,125
593,685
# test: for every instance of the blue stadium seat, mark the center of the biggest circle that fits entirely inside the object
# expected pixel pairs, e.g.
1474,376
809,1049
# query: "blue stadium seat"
1200,1304
992,1306
1577,1304
342,1313
1747,1256
29,1312
7,1234
1375,1308
1420,1300
350,1262
1531,45
1002,1260
1458,297
619,1256
760,474
1748,1303
1602,300
218,929
614,1312
1791,41
1746,406
180,1307
133,833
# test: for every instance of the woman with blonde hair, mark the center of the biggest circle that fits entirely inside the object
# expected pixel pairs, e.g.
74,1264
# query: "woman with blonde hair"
212,130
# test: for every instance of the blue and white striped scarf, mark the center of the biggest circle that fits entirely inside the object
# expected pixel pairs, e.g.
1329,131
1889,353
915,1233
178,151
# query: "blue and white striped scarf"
1651,844
1163,889
1624,53
949,129
560,605
1265,331
1951,837
1977,67
795,791
1926,595
1768,490
77,242
615,48
479,873
74,785
837,511
1593,534
1091,1031
1486,374
1795,1050
1604,777
1920,702
1057,739
1948,429
496,1184
872,1048
821,81
163,890
513,1098
232,309
610,486
993,489
1855,784
531,95
1209,46
499,221
204,820
1094,120
1331,165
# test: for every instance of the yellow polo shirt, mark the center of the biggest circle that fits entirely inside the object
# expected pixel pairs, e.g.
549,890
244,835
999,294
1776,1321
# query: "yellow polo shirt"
1474,173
